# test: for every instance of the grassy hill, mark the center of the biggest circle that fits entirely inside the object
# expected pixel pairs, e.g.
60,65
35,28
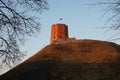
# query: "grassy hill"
83,60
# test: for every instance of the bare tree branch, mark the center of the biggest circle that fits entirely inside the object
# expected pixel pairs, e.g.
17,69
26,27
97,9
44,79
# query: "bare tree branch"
15,25
112,6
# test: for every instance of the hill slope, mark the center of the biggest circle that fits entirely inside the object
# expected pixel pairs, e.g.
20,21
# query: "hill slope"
83,60
84,51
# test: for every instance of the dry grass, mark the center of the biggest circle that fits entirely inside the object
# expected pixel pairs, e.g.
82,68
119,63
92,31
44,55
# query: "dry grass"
84,60
83,51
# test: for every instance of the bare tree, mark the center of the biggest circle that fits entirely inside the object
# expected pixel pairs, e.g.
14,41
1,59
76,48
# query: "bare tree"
112,7
16,23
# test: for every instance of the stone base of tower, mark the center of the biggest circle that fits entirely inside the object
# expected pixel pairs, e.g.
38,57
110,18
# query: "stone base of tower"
69,40
61,41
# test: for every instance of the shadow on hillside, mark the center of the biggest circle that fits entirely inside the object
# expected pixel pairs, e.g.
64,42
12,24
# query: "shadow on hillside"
35,71
84,71
30,71
56,70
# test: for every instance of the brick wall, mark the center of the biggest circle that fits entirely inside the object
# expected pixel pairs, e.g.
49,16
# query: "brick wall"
58,32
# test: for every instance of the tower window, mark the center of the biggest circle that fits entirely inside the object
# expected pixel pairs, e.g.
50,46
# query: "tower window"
54,37
60,36
60,32
60,28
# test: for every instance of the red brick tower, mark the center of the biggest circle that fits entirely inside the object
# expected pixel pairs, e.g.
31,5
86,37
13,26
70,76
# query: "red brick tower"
58,32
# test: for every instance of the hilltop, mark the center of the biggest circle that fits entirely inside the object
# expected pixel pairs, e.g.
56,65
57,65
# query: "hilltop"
82,51
81,60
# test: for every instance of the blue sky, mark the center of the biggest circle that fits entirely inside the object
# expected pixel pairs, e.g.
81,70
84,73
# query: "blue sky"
84,22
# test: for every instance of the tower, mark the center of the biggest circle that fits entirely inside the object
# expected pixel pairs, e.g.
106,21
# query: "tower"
59,32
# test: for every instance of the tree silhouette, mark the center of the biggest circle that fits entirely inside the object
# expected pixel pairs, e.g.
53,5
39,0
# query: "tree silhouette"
16,23
112,6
